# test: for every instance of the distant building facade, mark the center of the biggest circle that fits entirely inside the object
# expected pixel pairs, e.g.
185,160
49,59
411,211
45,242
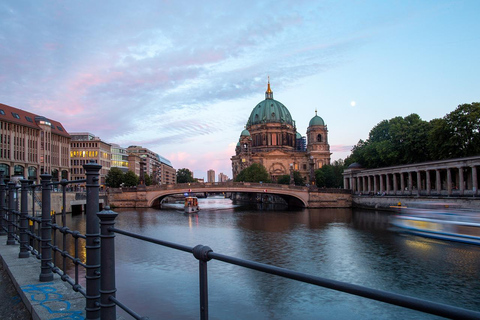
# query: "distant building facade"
86,148
158,167
31,145
119,157
211,175
222,177
271,139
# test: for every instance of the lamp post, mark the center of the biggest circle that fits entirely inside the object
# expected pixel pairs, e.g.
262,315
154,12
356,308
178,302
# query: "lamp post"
312,173
292,181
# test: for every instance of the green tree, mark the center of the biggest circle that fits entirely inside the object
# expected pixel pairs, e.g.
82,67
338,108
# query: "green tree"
148,180
184,176
114,177
330,176
463,127
297,178
130,179
254,173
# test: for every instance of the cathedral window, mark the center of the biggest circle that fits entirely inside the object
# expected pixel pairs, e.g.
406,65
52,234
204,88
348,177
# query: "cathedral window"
319,138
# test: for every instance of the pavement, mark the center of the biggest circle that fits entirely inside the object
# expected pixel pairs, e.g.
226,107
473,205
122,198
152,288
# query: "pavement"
23,296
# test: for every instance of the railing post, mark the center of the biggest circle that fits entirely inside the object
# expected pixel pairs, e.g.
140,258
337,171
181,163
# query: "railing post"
11,207
3,225
23,221
92,172
46,273
107,270
201,253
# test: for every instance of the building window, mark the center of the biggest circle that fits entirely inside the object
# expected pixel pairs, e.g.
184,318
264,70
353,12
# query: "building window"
15,115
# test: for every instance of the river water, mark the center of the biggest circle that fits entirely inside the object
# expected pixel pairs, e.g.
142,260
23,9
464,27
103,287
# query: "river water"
355,246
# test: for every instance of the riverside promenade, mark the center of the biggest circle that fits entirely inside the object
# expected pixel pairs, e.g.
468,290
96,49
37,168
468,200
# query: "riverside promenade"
43,300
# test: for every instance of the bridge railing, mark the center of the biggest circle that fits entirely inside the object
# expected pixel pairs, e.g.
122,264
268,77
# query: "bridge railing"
99,243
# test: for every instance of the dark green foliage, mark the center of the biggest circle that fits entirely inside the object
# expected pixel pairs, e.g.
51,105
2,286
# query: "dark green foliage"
411,140
330,176
148,180
130,179
254,173
184,176
114,177
297,178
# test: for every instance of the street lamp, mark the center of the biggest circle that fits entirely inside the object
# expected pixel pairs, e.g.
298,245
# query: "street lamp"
312,173
292,181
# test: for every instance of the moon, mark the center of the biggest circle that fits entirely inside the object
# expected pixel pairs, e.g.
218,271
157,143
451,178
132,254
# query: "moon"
353,103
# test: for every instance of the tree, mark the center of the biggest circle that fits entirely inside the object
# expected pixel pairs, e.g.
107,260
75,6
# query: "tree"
254,173
148,179
130,179
184,176
330,176
114,177
297,178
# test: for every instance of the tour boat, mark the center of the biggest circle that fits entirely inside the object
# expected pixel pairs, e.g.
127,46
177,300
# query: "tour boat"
440,221
191,205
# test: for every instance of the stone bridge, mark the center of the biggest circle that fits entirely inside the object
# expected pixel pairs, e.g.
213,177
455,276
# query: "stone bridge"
145,197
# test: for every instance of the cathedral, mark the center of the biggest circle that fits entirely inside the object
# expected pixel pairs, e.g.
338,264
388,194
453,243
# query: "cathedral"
271,139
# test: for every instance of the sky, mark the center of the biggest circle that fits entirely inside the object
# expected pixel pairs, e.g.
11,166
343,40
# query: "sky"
182,77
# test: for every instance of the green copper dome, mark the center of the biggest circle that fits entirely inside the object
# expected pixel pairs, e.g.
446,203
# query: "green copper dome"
316,121
270,110
245,133
298,136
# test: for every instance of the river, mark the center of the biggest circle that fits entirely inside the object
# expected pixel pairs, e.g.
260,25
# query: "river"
355,246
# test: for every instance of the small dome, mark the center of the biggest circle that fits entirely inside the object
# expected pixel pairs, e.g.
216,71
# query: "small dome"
298,136
238,144
245,133
355,165
316,121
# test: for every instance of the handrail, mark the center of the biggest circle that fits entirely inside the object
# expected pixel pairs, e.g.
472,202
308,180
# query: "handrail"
205,253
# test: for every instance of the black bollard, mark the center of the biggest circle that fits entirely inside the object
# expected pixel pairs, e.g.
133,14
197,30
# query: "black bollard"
23,221
107,269
46,273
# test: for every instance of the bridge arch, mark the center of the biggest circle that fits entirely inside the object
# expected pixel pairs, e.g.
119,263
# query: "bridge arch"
293,195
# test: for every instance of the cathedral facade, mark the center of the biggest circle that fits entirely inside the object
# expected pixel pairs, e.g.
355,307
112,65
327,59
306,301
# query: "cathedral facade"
270,138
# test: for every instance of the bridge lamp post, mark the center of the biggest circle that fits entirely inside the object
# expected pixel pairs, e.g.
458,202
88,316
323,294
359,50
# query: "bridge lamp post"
292,181
312,172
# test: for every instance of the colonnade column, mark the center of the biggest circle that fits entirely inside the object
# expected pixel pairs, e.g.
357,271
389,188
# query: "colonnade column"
419,182
375,189
410,182
449,182
429,187
438,182
388,183
345,183
395,183
475,182
369,181
402,182
461,181
381,184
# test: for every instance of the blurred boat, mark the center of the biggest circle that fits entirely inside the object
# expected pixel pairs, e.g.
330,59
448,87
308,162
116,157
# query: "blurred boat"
191,205
440,221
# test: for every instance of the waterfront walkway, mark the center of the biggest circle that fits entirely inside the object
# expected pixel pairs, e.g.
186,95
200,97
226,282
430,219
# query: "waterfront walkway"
41,300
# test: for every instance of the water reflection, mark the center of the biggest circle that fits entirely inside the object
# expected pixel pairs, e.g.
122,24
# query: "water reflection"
353,246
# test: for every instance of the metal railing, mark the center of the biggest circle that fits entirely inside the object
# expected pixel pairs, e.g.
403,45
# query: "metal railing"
34,234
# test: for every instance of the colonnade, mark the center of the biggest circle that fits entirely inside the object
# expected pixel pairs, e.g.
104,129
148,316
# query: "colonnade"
455,177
